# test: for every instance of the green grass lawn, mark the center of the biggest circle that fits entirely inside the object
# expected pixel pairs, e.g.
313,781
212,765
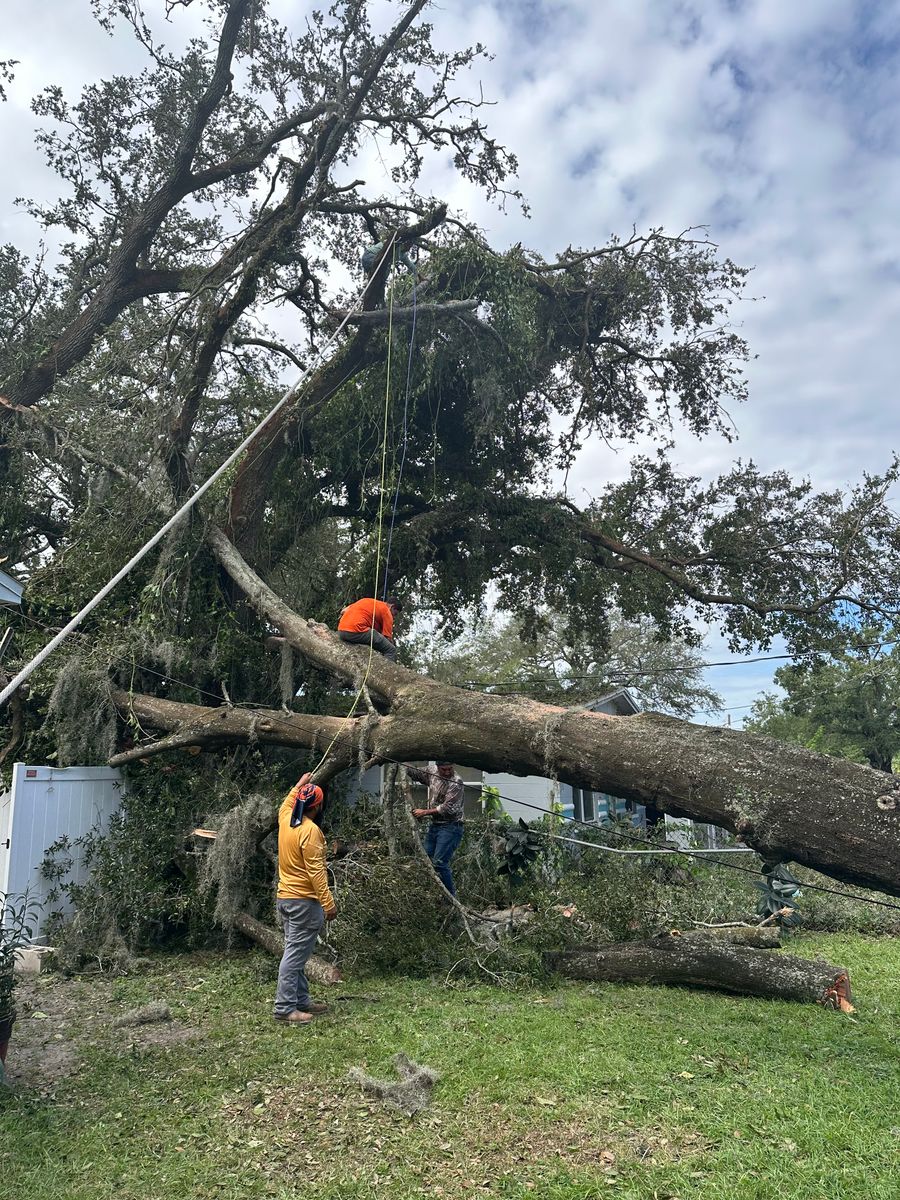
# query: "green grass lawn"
570,1093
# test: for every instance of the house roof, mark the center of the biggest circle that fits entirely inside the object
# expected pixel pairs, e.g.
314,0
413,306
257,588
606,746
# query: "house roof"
10,589
620,700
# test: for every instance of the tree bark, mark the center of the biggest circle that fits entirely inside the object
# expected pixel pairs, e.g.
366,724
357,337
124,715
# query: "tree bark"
705,963
317,969
786,802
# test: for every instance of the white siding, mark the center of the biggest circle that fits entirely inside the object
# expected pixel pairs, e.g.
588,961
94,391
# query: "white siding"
46,804
532,789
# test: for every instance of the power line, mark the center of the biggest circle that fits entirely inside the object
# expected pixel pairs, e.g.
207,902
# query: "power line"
657,672
696,854
293,723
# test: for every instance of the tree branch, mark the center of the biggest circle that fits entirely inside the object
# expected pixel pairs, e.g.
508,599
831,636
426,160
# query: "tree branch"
435,312
121,282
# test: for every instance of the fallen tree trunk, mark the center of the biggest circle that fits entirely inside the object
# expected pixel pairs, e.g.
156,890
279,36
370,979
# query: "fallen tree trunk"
786,802
317,969
706,963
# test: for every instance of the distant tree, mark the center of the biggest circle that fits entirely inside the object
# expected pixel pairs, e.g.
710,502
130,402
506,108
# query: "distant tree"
561,665
847,705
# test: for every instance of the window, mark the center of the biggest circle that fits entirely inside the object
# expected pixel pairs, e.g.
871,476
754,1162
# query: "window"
584,802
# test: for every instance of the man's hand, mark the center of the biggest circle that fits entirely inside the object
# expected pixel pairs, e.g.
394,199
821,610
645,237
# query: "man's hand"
331,913
421,812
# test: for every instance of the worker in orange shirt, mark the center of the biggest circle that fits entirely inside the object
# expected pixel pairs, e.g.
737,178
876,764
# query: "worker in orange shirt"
305,902
371,622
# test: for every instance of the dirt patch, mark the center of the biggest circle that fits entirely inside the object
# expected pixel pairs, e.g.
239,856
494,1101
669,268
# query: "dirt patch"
44,1049
40,1066
61,1018
169,1034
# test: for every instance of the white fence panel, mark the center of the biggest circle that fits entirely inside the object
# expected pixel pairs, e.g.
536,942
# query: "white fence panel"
47,803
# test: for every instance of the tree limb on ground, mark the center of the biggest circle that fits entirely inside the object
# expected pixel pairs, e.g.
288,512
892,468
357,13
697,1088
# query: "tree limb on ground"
317,969
706,963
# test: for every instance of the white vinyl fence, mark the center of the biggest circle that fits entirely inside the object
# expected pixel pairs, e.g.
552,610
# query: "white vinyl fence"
43,805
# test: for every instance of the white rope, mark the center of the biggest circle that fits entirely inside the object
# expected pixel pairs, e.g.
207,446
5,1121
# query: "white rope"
558,837
289,395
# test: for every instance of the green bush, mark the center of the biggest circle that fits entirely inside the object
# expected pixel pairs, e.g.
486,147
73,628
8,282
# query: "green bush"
137,896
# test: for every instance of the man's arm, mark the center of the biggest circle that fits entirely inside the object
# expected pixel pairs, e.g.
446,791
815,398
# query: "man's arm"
421,776
301,782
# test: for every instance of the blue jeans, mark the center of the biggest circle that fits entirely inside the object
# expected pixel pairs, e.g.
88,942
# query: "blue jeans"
441,843
301,921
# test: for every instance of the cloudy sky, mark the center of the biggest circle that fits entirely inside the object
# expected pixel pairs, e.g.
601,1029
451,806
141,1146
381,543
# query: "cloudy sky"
773,123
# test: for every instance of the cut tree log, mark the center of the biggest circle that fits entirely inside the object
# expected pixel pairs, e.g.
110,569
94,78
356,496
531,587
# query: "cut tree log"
706,963
317,969
764,937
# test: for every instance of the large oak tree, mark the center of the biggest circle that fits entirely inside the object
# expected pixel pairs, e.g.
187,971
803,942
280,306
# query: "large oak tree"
209,205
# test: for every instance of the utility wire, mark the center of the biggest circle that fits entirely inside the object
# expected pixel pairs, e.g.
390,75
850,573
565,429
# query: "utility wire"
813,887
696,854
658,672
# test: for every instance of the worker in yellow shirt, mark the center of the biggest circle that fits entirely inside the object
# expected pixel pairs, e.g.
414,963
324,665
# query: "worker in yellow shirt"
305,902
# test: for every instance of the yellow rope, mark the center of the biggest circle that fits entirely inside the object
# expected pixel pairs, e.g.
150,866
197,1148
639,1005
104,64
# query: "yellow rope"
384,441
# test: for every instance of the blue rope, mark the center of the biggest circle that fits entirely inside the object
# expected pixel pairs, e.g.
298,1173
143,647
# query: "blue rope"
409,359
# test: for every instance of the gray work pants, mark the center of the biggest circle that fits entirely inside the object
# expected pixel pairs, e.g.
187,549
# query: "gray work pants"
382,644
301,921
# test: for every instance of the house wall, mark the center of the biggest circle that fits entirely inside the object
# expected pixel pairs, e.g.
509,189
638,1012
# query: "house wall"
544,793
532,790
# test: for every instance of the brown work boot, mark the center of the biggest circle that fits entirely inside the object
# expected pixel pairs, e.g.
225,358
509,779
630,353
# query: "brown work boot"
315,1007
294,1018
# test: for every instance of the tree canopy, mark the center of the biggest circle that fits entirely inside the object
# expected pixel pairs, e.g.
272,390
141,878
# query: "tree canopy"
209,209
666,676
